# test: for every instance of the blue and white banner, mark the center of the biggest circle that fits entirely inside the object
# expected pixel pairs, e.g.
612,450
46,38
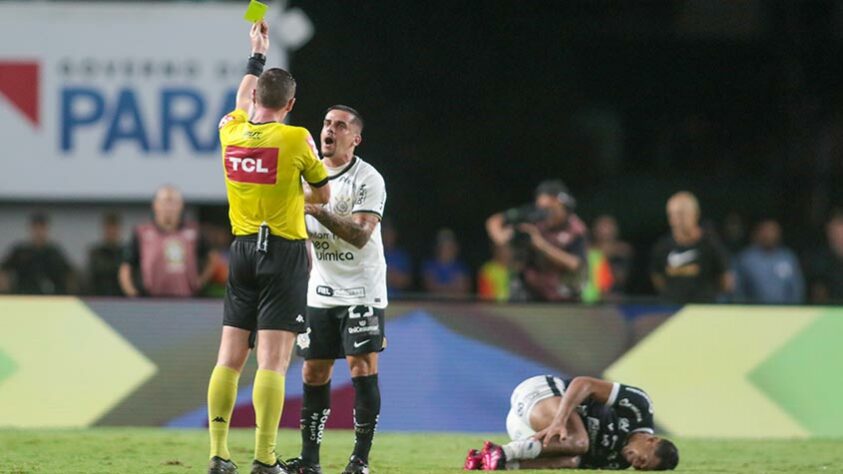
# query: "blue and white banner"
102,101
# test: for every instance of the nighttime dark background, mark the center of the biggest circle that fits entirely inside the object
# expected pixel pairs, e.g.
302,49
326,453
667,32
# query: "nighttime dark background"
468,105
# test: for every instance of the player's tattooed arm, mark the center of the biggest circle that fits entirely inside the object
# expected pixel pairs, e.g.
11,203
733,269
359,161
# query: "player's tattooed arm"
356,230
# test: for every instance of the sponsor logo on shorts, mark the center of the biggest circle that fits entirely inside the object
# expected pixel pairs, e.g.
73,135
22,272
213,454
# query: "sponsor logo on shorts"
361,343
359,329
299,319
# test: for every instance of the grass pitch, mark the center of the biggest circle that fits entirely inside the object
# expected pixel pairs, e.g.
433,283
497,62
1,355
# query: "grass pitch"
151,450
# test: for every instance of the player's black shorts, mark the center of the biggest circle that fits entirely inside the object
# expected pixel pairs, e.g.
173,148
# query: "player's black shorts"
267,290
333,333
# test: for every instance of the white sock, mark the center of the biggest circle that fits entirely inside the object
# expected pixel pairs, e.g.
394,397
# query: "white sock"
526,449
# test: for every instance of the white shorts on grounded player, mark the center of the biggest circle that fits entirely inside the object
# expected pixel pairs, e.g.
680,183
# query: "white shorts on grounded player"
524,398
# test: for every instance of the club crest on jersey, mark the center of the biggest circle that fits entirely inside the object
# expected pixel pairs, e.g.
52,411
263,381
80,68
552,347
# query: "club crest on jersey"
342,205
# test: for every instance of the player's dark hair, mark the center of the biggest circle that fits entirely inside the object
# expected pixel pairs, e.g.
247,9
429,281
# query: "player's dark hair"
275,88
358,119
668,455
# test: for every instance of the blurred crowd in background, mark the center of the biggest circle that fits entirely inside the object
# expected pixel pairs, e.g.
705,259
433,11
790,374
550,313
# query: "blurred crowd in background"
628,102
539,252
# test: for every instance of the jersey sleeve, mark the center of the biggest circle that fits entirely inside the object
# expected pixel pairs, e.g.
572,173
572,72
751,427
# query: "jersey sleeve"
312,168
633,407
230,122
371,195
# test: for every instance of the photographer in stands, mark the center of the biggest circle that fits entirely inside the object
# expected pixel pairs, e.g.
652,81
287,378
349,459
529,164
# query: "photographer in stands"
548,240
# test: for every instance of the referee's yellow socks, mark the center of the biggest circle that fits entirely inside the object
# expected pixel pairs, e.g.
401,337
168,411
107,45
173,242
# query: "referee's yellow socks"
268,399
222,394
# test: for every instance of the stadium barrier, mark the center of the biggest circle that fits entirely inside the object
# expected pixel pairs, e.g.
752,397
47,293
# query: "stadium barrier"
719,371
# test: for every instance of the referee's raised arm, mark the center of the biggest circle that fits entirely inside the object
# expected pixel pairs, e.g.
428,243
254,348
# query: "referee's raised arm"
259,36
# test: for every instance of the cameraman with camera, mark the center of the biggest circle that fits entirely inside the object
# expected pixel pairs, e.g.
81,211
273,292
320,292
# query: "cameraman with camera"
549,242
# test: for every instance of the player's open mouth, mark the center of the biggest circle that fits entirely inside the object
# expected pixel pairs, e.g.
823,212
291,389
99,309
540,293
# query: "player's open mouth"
329,141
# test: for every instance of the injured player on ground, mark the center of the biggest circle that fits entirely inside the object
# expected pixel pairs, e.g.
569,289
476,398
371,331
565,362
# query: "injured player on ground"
579,423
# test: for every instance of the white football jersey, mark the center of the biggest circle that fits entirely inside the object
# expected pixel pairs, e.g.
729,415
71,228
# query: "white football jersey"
342,274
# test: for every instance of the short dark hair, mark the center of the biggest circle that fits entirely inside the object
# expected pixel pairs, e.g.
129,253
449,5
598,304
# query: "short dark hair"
557,189
668,455
39,218
358,119
111,218
275,88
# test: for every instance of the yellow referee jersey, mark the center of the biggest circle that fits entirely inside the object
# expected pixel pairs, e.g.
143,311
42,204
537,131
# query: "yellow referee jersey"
263,165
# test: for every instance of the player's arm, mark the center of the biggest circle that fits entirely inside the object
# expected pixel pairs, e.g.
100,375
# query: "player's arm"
574,443
564,260
356,229
580,389
259,36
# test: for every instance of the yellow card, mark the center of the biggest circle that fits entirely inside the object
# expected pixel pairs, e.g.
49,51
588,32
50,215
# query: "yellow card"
255,12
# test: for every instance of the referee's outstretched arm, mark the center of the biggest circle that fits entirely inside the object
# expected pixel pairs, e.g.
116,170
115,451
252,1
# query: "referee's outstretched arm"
259,36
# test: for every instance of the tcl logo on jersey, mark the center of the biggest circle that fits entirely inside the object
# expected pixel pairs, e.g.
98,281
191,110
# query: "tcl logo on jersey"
251,165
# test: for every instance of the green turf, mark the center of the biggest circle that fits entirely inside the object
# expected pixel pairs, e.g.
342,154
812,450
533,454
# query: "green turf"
139,450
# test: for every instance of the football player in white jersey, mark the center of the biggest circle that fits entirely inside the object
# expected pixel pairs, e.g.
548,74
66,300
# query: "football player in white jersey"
346,293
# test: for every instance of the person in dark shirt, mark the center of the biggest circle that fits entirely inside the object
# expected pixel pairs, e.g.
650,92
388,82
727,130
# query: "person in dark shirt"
579,423
825,266
689,265
104,259
38,267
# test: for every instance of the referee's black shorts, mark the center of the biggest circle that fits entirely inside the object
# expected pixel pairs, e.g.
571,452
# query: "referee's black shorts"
267,290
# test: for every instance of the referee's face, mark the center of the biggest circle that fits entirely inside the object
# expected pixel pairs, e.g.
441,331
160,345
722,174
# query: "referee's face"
339,135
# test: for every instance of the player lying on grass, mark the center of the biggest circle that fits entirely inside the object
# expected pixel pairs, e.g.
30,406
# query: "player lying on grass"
580,423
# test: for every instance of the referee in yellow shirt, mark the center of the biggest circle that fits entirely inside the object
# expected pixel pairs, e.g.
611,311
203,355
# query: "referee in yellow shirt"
264,162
